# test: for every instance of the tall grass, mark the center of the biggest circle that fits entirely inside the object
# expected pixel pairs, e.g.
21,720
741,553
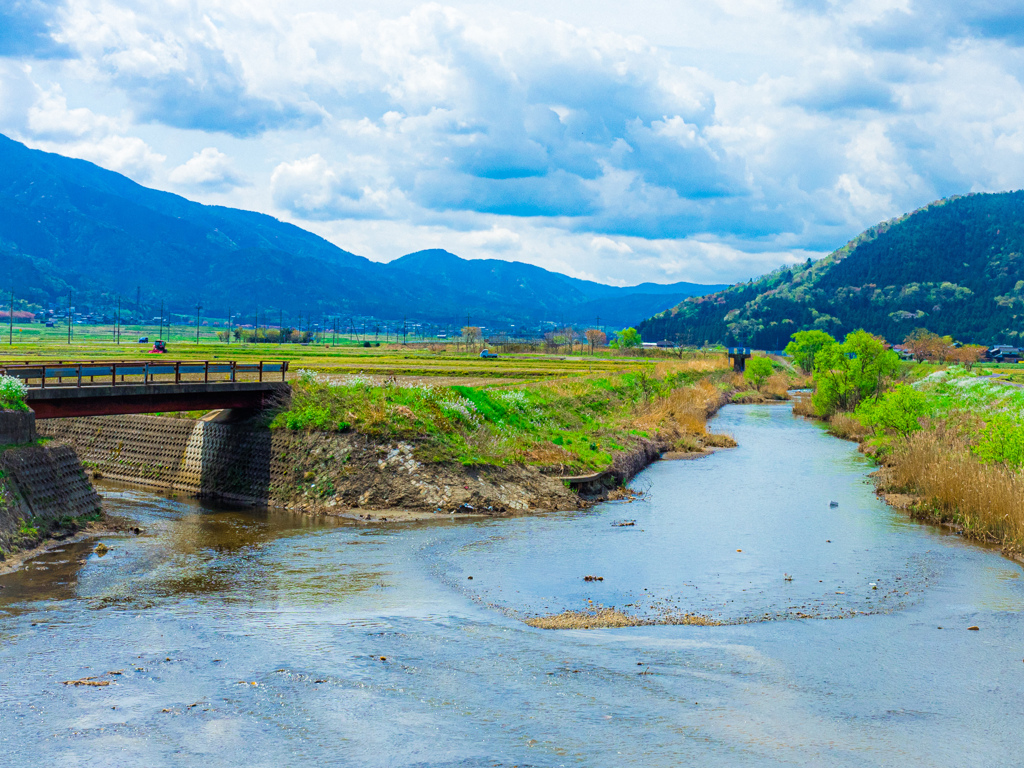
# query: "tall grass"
986,500
802,405
681,416
847,426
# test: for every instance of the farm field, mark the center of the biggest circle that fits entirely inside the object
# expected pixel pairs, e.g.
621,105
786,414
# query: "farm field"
438,364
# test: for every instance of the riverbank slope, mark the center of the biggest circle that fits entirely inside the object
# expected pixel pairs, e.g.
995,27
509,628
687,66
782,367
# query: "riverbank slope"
375,450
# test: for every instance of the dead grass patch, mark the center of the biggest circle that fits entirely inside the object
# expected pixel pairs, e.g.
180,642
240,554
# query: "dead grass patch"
777,386
802,405
549,454
985,500
847,426
681,417
719,440
603,618
611,618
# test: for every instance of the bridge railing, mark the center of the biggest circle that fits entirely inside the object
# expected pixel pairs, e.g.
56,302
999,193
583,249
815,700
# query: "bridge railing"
134,372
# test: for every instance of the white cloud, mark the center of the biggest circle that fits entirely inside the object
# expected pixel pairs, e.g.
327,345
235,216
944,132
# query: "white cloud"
607,244
128,155
648,145
50,118
210,169
312,188
498,239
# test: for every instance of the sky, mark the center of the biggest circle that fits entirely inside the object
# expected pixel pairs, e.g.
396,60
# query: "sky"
657,140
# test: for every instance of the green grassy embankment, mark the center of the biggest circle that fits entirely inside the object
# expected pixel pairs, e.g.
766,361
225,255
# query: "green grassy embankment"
576,423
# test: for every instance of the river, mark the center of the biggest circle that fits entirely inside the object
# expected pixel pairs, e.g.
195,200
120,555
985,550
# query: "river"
262,638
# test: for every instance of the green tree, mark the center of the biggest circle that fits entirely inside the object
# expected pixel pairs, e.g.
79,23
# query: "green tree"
627,338
874,365
805,346
757,371
848,373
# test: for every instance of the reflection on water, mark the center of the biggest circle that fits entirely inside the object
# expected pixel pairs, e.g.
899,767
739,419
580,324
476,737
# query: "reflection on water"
248,637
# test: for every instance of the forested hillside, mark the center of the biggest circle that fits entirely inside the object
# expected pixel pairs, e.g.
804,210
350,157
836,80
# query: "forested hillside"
954,267
68,225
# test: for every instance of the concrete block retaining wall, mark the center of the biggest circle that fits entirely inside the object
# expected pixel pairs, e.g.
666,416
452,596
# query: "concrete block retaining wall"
200,458
39,485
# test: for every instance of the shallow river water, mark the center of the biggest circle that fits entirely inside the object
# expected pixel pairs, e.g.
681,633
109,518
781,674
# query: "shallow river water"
268,639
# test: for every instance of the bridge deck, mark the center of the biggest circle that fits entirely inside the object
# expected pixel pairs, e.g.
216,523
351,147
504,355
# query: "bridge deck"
65,389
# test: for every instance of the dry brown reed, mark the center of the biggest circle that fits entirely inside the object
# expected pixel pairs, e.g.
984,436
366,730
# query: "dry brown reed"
777,386
802,405
683,411
549,454
681,417
986,500
847,426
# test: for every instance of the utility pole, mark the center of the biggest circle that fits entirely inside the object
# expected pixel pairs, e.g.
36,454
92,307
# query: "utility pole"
138,307
229,325
199,308
280,325
118,319
405,331
10,328
69,317
160,334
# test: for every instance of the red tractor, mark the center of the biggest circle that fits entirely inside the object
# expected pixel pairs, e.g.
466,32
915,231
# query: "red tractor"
159,348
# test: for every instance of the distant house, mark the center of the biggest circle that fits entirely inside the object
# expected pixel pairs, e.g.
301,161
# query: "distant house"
1003,353
665,344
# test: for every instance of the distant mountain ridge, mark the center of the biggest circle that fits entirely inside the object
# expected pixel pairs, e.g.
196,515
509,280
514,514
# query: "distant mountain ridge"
68,224
954,267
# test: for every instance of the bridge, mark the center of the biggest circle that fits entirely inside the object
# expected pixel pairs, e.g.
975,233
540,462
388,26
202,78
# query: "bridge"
59,389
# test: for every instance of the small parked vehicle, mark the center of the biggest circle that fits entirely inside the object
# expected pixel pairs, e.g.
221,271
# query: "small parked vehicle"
487,354
143,339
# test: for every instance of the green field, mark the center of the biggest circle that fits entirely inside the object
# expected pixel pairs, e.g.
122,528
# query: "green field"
427,361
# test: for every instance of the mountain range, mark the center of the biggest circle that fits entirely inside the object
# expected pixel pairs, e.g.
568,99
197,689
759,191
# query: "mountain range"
68,225
954,267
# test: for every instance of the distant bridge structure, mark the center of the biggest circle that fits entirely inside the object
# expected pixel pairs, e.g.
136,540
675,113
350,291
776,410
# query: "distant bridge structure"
738,356
59,389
